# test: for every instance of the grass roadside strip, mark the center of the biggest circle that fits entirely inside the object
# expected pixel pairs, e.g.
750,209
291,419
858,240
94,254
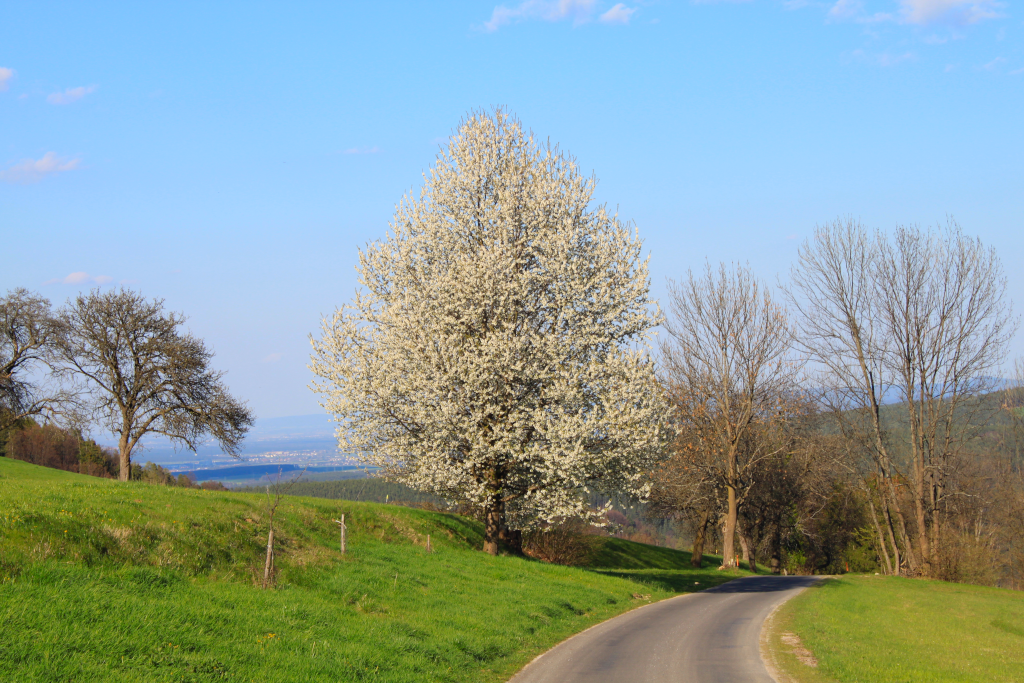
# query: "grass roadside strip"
878,629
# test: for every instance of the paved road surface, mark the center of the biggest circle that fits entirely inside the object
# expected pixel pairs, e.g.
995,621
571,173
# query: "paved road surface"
707,637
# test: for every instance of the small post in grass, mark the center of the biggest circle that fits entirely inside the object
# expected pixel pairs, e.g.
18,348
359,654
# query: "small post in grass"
341,528
429,549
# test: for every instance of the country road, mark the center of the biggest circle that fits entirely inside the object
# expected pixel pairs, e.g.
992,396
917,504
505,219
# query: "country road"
706,637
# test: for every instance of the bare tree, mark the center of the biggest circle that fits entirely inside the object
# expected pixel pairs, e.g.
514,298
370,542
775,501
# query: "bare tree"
728,370
144,375
276,491
921,318
684,489
26,354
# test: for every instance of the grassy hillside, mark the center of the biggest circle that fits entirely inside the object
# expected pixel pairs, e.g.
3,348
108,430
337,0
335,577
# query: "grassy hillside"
886,629
102,581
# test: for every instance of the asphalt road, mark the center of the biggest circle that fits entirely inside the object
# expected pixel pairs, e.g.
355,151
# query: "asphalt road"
706,637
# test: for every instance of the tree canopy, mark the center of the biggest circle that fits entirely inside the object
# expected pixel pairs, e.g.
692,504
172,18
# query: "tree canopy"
495,352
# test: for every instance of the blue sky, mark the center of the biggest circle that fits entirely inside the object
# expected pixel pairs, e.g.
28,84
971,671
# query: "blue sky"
231,158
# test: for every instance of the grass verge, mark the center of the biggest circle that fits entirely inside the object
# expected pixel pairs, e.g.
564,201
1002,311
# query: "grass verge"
894,630
102,581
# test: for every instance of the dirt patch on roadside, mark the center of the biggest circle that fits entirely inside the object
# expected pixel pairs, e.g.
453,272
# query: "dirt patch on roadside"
805,656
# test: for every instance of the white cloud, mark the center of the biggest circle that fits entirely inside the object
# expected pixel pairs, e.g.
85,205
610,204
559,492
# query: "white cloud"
994,63
846,9
70,95
80,278
362,150
948,11
619,14
580,11
5,76
273,358
1017,72
34,170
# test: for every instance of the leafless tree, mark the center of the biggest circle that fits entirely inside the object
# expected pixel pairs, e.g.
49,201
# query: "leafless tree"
921,318
276,491
728,368
145,375
686,490
26,354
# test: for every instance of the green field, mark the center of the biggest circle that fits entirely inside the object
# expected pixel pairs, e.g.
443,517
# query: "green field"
102,581
893,630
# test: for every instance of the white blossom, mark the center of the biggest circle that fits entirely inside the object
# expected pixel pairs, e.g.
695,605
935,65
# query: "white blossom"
496,351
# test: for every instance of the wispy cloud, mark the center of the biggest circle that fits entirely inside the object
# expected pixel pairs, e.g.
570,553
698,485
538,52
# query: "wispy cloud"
949,11
5,76
70,95
618,14
363,150
853,10
919,12
272,358
1017,72
80,278
34,170
994,64
579,11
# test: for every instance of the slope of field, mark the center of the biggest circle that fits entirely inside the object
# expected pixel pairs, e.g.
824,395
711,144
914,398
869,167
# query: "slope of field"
883,629
104,581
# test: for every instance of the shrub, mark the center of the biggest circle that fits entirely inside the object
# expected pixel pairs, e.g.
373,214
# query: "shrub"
566,543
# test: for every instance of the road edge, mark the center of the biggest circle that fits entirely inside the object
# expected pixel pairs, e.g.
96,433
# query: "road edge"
767,653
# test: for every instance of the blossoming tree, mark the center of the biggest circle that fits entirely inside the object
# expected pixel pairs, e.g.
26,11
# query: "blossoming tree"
496,350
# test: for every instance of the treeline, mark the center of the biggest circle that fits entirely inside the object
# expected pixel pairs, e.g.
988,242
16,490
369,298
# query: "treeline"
367,490
67,449
856,421
62,449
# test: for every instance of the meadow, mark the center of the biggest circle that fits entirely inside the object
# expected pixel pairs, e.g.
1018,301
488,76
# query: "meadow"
882,629
102,580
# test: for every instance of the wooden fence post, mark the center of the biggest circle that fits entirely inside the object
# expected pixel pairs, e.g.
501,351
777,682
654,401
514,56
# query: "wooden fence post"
341,528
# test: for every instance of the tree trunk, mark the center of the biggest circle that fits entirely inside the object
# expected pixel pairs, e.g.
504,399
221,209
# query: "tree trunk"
125,469
269,566
897,562
936,530
881,538
922,525
746,547
729,536
493,525
697,556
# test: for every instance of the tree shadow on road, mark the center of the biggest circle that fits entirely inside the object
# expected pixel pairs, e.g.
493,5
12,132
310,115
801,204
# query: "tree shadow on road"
676,581
768,584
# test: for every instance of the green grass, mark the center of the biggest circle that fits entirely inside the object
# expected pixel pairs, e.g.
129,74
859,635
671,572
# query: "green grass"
896,630
103,581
